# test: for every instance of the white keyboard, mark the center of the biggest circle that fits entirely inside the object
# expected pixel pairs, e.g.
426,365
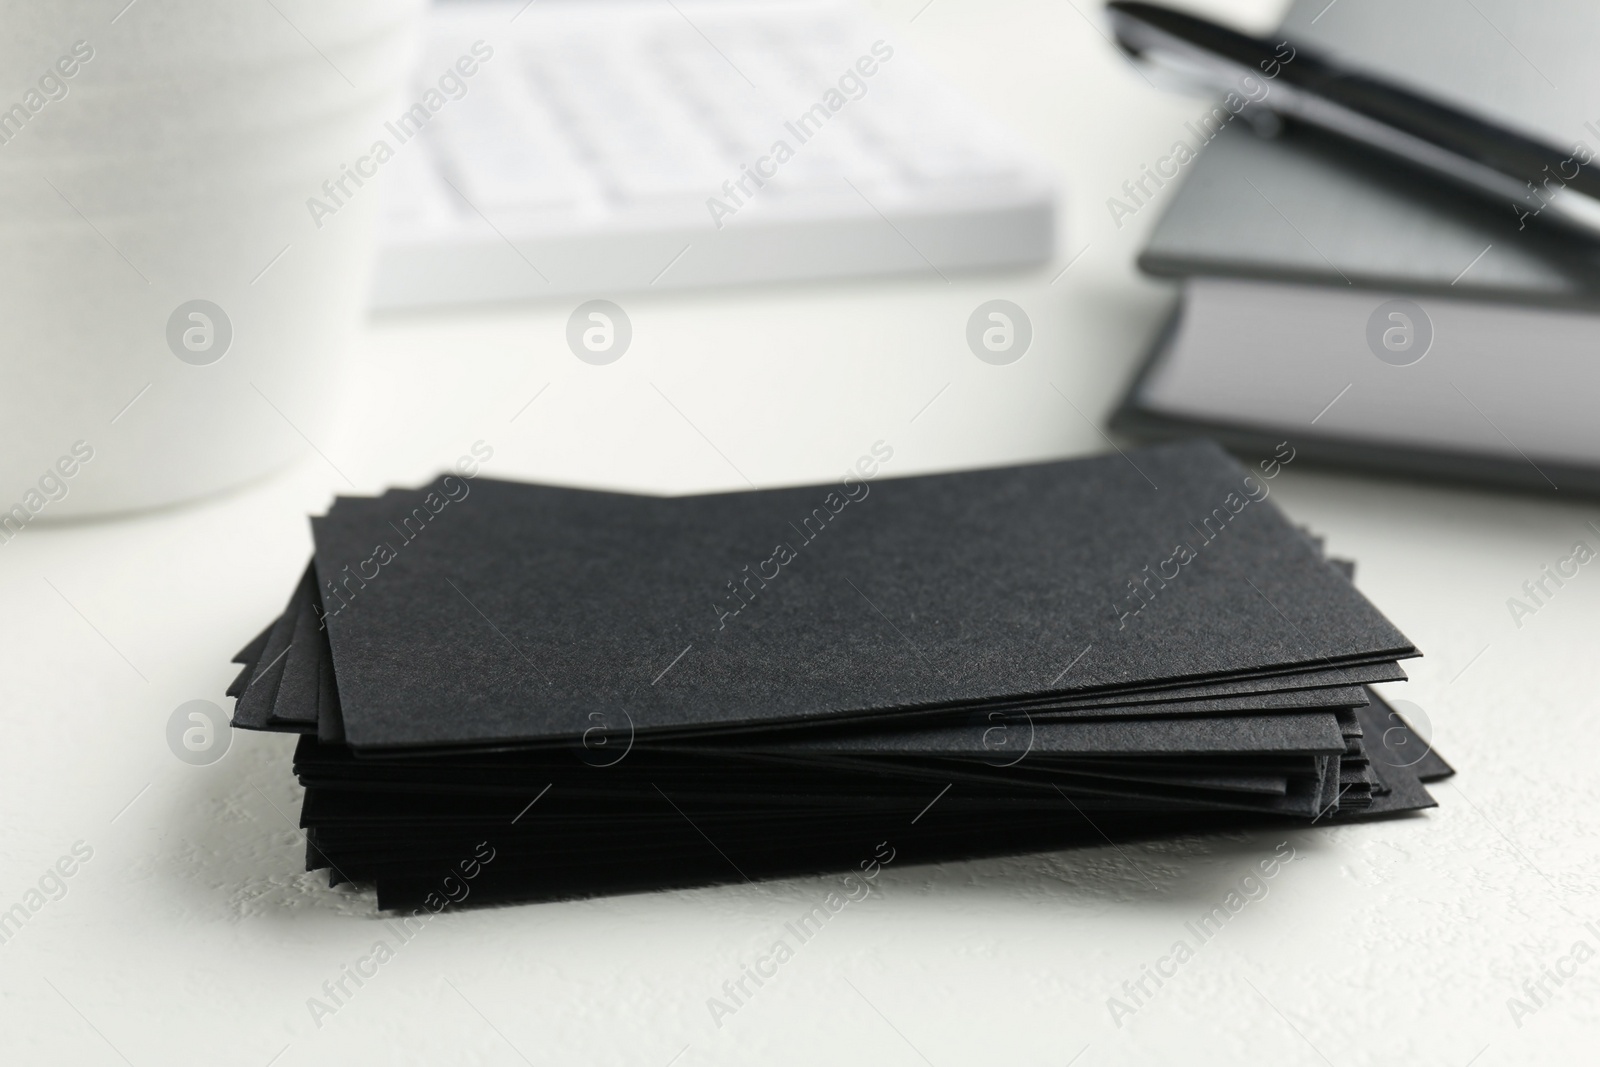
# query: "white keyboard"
614,145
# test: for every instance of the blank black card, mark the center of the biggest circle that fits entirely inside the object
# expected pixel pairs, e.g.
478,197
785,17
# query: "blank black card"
482,612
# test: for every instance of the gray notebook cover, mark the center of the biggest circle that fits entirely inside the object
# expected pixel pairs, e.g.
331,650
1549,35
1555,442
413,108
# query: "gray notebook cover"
1304,207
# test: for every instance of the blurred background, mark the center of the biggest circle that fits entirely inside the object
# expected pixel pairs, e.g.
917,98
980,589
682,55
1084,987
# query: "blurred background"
221,286
827,308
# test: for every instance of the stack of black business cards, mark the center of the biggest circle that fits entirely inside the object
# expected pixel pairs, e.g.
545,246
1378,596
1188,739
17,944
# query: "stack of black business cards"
606,692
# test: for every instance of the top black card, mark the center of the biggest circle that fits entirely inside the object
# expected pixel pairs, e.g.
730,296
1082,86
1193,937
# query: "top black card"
478,612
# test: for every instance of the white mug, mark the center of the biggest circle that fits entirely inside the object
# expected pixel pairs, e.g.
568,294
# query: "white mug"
173,315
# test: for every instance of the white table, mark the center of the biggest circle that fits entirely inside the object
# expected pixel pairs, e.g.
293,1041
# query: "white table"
192,935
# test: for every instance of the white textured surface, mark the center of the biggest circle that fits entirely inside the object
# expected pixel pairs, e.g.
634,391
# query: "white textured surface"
192,937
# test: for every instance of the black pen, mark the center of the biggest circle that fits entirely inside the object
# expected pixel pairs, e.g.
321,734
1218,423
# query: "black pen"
1528,177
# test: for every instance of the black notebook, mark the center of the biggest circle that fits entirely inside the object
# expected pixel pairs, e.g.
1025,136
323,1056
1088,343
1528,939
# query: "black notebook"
1373,315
